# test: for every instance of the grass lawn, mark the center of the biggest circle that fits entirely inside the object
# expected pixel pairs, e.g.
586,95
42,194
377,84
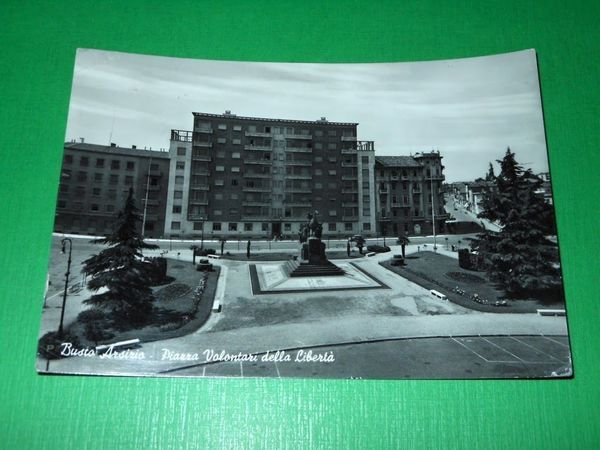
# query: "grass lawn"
181,307
442,273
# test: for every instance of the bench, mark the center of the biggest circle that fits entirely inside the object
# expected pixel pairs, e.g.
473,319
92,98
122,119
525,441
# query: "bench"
551,312
214,256
122,345
438,294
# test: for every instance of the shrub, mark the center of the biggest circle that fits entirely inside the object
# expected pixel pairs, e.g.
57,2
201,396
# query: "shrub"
206,252
157,270
49,345
378,248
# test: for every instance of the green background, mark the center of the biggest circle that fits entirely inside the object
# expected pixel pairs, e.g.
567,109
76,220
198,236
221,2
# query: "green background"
38,42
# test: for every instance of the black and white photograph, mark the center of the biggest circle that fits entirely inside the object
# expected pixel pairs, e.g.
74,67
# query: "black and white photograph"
346,221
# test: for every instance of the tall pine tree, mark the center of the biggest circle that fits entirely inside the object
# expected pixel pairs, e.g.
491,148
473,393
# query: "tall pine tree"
520,257
121,270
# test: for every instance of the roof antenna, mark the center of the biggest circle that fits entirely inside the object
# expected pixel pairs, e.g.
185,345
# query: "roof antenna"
112,127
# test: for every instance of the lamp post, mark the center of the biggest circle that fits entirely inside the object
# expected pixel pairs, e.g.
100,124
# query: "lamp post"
433,214
62,312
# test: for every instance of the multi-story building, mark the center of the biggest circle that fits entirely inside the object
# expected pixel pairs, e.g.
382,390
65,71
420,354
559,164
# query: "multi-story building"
255,177
410,194
96,179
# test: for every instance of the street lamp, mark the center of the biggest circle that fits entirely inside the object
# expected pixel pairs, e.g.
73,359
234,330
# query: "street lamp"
433,214
62,312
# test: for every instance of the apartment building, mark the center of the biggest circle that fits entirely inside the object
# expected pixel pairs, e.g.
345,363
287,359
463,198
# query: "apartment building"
95,181
240,177
410,194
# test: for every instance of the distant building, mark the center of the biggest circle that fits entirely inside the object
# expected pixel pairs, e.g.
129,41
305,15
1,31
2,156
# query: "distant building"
95,181
410,194
545,189
255,177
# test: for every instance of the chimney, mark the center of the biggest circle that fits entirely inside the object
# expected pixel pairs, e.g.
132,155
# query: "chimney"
133,147
112,144
81,139
323,119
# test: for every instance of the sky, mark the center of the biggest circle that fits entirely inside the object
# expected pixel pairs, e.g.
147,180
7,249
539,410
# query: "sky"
470,109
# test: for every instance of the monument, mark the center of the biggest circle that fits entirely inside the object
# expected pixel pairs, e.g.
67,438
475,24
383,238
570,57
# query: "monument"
314,261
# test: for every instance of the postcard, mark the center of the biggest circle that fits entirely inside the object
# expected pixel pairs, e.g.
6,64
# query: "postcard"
346,221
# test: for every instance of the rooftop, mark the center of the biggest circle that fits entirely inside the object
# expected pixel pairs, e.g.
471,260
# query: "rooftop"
228,115
397,161
116,150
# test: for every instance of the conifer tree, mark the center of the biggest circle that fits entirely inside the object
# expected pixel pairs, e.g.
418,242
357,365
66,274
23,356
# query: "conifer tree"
121,270
520,257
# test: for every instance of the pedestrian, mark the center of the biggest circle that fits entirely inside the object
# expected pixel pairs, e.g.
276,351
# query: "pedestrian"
348,248
248,249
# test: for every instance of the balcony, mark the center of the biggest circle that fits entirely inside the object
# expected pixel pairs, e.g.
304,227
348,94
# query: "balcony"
256,175
394,178
201,172
181,135
298,204
298,136
204,158
348,138
350,177
298,149
155,173
205,130
400,205
256,189
349,218
257,134
349,204
299,163
199,201
257,203
383,190
353,190
437,178
202,144
260,148
298,190
200,187
349,151
258,161
298,177
349,164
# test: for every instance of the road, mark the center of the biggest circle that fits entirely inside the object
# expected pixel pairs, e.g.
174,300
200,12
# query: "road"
439,358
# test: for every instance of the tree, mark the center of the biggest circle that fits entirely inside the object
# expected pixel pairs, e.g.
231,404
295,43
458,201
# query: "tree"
121,270
490,176
519,256
403,241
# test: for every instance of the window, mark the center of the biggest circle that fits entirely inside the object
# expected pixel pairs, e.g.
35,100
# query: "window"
331,146
232,226
61,204
234,196
112,194
332,226
81,176
178,179
218,196
180,165
220,169
219,182
332,172
128,180
218,212
234,182
98,177
366,226
68,159
130,165
198,226
236,155
237,128
221,154
348,226
175,225
318,185
331,132
110,208
153,166
221,140
236,141
318,132
265,226
181,151
318,172
95,207
332,159
96,192
178,194
247,227
115,164
216,226
100,162
318,146
235,169
332,185
84,161
176,209
222,126
365,160
287,226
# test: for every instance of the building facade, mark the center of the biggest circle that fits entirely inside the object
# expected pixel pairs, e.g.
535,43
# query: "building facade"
256,177
410,194
95,182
